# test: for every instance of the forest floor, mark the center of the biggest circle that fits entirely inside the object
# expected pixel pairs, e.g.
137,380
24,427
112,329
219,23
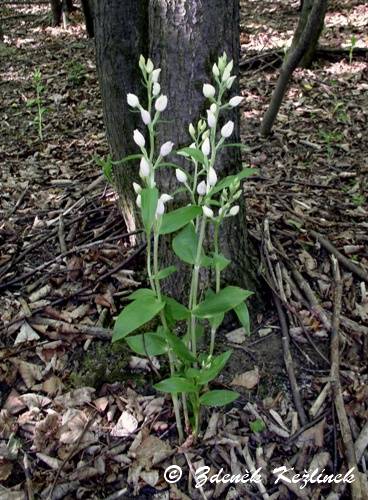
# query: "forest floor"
78,419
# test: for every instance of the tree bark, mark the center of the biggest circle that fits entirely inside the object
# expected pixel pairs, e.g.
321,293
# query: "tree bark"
120,38
309,55
185,41
87,6
56,12
291,63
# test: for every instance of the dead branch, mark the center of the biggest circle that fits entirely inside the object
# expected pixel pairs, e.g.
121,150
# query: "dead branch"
336,385
347,263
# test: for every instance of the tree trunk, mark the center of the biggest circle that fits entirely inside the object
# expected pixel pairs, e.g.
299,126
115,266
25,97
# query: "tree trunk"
308,57
120,38
185,41
56,12
291,63
87,7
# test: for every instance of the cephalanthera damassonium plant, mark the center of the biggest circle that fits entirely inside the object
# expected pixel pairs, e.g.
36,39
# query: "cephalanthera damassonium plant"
210,201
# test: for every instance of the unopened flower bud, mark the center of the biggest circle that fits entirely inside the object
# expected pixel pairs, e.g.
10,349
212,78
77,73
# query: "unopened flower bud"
227,71
207,212
166,148
138,201
206,148
201,126
213,107
165,198
181,176
161,103
202,188
137,188
139,138
212,176
227,129
149,66
237,195
215,70
156,89
160,208
208,90
192,131
142,63
156,75
234,210
230,82
211,119
146,117
235,101
132,100
144,169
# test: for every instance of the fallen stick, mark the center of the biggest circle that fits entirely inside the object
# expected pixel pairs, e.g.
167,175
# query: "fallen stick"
361,443
346,435
347,263
289,361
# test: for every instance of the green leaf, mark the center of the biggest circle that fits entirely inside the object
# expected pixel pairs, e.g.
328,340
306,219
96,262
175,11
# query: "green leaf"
128,158
257,425
142,293
149,197
165,273
135,315
199,332
243,315
216,365
177,219
180,349
218,398
149,343
194,153
185,244
221,261
221,302
224,183
175,384
176,310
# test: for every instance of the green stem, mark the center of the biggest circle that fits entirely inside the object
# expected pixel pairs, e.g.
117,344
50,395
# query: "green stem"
194,286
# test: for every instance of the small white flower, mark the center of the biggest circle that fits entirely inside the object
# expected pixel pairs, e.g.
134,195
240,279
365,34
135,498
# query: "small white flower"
202,188
208,90
234,210
165,198
139,138
144,169
156,89
215,70
166,148
132,100
212,176
181,176
236,100
230,82
149,66
161,103
160,208
221,210
206,148
192,146
146,117
213,107
137,188
207,212
211,119
138,201
227,129
156,75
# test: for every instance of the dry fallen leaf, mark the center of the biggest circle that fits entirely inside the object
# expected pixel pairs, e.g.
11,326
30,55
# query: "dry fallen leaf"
248,379
26,334
126,425
29,372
